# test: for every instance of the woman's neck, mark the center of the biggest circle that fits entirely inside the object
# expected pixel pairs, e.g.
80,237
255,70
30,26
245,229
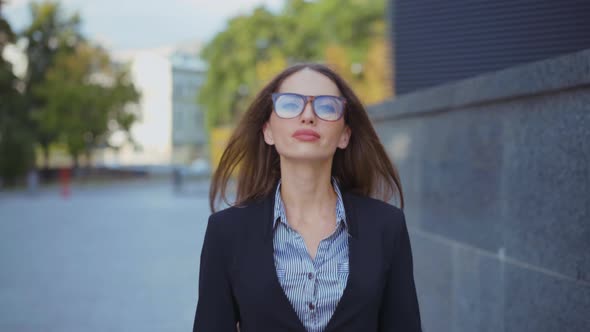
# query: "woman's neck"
306,191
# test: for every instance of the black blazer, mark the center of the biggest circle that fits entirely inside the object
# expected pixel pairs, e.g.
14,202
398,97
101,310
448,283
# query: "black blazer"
238,281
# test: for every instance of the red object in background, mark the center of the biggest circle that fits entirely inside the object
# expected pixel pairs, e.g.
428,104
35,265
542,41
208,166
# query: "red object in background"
64,180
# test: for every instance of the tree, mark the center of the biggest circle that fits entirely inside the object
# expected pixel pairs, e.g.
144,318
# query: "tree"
86,98
72,92
232,56
348,35
16,144
50,33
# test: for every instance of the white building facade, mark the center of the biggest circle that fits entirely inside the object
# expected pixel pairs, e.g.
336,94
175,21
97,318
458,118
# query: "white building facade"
189,138
171,128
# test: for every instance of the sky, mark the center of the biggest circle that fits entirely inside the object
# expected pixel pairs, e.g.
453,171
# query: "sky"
139,24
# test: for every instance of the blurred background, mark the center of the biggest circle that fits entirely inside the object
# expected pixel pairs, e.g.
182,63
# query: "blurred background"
113,115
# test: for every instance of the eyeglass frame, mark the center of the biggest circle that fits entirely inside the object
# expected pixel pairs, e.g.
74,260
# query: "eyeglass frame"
308,99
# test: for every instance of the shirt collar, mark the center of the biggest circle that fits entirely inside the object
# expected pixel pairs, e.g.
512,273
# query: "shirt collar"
280,214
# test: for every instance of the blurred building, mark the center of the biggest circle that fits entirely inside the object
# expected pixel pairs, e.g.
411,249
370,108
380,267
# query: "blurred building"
490,132
189,140
437,42
171,128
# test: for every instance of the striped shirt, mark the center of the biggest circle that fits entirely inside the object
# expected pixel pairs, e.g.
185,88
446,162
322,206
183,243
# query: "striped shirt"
313,286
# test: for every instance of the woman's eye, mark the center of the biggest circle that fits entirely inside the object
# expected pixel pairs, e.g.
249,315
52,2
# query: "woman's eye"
327,108
290,106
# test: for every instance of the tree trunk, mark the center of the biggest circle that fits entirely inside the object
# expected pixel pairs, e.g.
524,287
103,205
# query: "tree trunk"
45,148
76,159
88,154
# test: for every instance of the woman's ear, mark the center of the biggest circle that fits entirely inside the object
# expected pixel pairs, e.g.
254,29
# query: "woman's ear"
344,137
267,133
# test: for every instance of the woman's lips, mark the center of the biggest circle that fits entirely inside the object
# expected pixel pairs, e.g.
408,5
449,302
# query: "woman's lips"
306,135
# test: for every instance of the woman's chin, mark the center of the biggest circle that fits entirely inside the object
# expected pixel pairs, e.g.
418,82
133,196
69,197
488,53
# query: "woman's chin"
307,157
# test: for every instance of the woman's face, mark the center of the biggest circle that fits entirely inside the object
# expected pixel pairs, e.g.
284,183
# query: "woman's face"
322,138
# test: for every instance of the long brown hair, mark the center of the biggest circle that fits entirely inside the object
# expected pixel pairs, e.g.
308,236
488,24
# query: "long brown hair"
363,167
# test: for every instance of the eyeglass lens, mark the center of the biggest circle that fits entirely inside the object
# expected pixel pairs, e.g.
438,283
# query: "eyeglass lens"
328,108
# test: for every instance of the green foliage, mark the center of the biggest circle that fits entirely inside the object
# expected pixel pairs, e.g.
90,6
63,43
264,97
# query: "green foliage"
72,93
86,99
232,57
50,33
16,143
302,31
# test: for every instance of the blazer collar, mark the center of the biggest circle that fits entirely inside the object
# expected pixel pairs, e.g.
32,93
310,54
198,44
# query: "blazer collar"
351,290
347,200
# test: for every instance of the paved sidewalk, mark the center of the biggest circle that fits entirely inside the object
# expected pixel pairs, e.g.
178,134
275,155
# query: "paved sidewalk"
120,257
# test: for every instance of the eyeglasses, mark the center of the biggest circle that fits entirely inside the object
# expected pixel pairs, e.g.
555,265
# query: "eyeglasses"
290,105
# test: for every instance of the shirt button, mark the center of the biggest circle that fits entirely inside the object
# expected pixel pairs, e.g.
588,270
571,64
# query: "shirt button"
310,276
311,306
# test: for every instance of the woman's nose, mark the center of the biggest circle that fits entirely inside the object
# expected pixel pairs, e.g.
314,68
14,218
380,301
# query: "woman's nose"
308,115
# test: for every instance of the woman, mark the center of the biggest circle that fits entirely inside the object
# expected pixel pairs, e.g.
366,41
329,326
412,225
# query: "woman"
307,246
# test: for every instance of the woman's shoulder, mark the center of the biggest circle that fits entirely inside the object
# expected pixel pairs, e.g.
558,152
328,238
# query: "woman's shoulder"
367,204
235,214
373,212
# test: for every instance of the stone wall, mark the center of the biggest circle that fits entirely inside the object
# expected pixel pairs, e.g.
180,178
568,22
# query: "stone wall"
496,175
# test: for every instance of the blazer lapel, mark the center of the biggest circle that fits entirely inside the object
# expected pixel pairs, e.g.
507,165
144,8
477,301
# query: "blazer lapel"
283,308
355,262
